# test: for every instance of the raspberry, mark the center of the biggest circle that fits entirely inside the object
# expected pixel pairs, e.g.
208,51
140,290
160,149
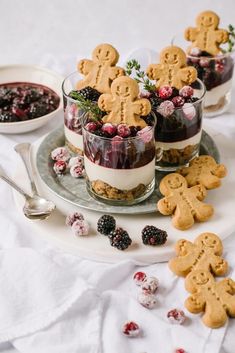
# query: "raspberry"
189,111
152,235
72,217
60,167
106,224
186,92
91,126
139,277
109,129
77,171
120,239
123,130
76,160
87,93
146,134
178,101
176,316
165,92
131,329
60,154
150,285
166,108
80,228
147,300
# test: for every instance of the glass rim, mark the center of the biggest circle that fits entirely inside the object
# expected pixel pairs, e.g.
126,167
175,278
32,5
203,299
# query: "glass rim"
63,88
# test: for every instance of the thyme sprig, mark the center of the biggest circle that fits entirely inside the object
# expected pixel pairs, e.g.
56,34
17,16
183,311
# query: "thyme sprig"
133,65
87,105
231,39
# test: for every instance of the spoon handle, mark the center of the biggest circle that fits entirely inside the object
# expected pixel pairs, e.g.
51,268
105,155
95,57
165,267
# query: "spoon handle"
23,149
6,178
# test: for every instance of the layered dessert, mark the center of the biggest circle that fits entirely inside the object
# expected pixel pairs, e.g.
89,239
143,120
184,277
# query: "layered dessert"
210,54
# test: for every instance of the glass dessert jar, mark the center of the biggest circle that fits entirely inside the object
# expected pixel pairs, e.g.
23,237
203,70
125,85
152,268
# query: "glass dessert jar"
179,129
119,170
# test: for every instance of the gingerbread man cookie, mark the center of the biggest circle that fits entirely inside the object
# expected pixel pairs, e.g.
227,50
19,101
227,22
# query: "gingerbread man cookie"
215,299
185,204
204,170
173,69
123,104
101,70
204,254
206,36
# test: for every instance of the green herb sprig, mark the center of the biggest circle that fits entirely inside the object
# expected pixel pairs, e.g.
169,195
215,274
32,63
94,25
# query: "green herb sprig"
140,75
231,40
87,105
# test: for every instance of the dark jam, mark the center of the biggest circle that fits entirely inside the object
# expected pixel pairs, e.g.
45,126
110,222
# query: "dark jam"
20,101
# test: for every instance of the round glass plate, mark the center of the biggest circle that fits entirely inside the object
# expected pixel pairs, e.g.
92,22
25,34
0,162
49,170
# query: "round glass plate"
74,190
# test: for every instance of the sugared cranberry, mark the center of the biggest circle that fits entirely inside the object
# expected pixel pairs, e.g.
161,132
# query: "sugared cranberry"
109,129
80,228
76,160
195,51
146,134
204,62
145,94
131,329
189,111
178,101
123,130
166,108
60,154
176,316
150,285
77,171
91,126
180,350
186,92
165,92
60,167
139,277
72,217
147,300
219,67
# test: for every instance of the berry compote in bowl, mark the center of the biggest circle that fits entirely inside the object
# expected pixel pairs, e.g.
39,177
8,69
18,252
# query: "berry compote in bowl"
76,104
29,97
119,161
216,72
179,124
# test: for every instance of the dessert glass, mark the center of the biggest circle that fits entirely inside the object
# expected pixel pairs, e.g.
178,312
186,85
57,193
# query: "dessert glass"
216,72
178,136
119,171
72,115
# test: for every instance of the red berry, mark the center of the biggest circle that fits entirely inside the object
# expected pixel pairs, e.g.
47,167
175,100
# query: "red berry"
131,329
123,130
91,127
146,134
180,350
189,111
204,62
165,92
166,108
186,91
219,67
77,171
139,277
60,167
109,129
18,112
176,316
178,101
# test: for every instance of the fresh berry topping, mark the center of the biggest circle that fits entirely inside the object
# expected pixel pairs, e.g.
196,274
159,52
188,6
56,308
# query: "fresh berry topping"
60,154
87,93
150,285
180,350
131,329
146,134
80,228
123,130
176,316
60,167
165,92
166,108
186,91
77,171
72,217
20,113
91,126
120,239
152,235
178,101
147,300
189,111
106,224
204,62
139,277
219,67
195,51
76,160
109,129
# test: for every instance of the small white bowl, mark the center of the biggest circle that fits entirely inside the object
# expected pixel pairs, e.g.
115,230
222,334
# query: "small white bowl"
32,74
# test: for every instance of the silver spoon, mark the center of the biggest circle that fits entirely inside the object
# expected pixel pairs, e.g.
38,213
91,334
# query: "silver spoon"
35,207
38,203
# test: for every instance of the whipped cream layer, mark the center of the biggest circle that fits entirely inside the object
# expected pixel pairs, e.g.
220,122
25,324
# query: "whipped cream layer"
75,139
194,140
122,179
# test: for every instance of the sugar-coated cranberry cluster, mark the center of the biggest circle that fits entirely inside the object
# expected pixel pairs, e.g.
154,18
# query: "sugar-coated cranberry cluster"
63,162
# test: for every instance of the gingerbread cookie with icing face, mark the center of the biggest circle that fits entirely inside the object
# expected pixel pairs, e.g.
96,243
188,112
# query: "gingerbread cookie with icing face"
123,105
101,70
183,203
173,69
204,170
215,299
206,35
204,254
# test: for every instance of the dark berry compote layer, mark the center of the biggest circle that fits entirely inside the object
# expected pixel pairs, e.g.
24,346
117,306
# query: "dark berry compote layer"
20,101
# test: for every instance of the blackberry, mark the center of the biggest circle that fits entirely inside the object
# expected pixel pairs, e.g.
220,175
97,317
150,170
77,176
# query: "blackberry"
37,109
152,235
8,117
106,224
120,239
87,93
